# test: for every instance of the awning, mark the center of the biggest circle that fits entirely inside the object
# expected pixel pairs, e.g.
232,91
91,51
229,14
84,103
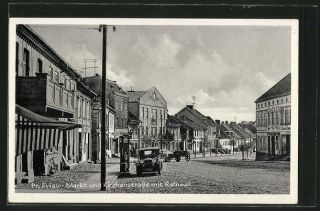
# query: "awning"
37,132
43,121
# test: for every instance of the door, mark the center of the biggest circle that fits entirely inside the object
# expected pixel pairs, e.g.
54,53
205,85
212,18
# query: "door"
38,162
273,145
287,145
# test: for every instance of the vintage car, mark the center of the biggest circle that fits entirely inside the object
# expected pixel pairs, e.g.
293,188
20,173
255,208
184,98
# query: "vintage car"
149,161
167,155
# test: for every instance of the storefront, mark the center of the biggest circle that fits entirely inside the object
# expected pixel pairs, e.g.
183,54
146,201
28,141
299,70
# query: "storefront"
39,144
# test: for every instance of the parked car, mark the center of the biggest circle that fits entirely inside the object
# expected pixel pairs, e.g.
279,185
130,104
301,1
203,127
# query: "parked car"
149,161
167,155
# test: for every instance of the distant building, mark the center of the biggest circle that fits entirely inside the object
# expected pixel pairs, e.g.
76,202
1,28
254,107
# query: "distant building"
174,125
151,109
199,127
273,121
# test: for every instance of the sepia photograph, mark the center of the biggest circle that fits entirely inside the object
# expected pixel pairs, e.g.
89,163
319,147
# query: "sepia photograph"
176,110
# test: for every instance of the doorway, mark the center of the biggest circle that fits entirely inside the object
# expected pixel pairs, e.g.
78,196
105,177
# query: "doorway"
38,162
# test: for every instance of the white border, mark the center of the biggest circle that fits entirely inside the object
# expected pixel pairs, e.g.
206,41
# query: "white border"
291,198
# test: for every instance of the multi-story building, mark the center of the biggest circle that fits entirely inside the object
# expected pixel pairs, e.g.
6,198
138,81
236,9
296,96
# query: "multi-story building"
200,127
151,109
117,100
96,128
273,119
47,85
174,125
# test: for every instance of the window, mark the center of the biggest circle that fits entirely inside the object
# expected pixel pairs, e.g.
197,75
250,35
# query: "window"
277,118
39,66
56,76
65,82
147,113
26,62
51,73
142,113
17,58
69,84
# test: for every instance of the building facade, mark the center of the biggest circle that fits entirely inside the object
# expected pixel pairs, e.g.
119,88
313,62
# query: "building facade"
118,101
199,127
47,85
151,109
273,121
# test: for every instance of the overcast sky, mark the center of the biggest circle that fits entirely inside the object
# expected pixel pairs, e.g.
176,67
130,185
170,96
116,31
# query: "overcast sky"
226,67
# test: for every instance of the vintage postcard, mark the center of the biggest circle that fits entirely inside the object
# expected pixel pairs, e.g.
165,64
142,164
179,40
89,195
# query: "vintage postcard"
178,110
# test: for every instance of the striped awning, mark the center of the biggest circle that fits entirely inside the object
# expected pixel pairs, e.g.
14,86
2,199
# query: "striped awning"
37,132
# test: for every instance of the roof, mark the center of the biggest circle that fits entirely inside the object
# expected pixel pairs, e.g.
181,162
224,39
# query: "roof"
282,88
240,130
199,120
43,120
188,123
134,95
95,83
227,128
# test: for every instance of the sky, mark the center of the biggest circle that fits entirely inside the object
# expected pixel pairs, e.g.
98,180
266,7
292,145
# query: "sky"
225,67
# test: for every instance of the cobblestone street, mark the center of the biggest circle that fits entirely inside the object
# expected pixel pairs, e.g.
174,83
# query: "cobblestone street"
215,175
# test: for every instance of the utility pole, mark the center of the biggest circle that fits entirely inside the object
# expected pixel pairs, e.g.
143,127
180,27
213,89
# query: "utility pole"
161,132
103,104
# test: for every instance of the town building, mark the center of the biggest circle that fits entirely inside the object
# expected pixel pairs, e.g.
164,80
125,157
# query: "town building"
195,120
48,86
273,121
118,101
173,140
151,109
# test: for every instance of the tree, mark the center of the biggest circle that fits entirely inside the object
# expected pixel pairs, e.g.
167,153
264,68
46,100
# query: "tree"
168,137
244,148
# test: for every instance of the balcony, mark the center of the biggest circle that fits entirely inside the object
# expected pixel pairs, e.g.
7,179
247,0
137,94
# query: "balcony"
41,94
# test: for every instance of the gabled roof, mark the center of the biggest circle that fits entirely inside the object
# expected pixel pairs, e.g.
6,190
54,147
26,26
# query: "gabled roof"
240,130
95,83
189,113
249,126
227,128
134,95
223,134
189,123
282,88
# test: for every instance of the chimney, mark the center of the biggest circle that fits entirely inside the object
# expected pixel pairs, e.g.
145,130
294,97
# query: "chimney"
218,121
190,106
226,122
194,101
